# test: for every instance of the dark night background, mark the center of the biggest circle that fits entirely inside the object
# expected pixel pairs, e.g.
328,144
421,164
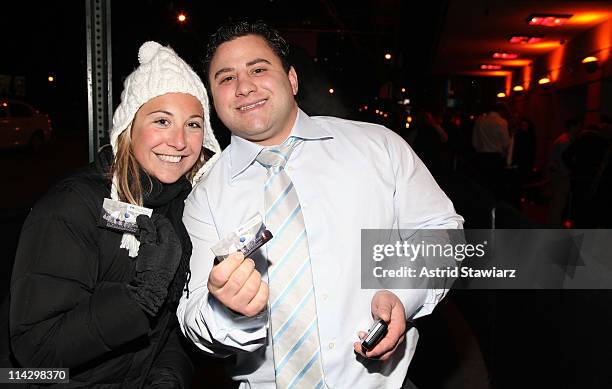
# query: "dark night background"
343,44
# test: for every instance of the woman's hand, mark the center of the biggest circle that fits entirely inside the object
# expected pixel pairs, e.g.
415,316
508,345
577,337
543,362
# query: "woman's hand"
158,258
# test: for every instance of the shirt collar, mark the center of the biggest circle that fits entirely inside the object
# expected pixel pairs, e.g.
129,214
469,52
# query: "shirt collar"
244,152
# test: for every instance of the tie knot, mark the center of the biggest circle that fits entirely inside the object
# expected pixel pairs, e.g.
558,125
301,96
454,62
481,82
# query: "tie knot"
277,156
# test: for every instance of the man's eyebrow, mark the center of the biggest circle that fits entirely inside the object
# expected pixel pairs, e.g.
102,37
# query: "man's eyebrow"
258,60
222,70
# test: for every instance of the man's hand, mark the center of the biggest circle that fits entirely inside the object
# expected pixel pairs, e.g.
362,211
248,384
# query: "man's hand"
388,307
238,286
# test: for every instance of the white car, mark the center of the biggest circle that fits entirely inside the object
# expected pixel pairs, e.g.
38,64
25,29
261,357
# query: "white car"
23,126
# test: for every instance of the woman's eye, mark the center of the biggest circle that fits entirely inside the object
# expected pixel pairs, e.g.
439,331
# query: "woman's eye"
194,125
162,122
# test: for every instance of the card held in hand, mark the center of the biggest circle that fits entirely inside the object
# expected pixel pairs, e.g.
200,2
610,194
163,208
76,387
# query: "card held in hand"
121,216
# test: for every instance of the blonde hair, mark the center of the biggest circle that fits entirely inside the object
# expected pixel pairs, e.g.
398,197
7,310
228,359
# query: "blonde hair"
126,169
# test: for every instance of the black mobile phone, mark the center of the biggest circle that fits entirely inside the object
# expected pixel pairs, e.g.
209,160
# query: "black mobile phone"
377,331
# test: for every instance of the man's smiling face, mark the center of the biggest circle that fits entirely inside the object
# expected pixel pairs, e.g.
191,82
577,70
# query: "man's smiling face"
252,93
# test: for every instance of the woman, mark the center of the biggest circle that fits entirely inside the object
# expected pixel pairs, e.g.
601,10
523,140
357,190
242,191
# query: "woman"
98,301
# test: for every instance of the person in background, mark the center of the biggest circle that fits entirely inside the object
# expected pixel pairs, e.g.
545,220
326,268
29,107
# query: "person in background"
585,158
430,143
294,313
603,180
490,134
560,172
524,149
491,141
102,302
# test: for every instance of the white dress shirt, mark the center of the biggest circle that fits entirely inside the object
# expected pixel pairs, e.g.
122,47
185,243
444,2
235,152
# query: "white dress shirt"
491,134
348,176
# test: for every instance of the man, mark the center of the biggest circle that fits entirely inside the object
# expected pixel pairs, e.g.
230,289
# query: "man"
585,158
342,176
560,172
491,134
492,143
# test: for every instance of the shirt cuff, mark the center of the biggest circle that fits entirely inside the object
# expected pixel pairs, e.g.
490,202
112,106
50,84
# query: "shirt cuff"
433,297
419,302
233,329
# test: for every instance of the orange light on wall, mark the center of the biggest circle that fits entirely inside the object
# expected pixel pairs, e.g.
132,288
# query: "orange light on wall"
591,17
555,62
508,82
590,64
501,95
524,39
486,73
490,67
603,40
548,20
181,17
504,55
517,62
518,88
527,70
546,45
544,80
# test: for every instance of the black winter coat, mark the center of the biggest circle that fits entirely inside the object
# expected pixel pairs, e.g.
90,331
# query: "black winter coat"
69,303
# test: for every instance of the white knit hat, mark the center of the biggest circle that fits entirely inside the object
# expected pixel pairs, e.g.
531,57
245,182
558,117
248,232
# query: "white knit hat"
161,71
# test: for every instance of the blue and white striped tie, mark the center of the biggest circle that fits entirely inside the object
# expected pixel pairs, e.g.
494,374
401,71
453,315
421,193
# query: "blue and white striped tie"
295,333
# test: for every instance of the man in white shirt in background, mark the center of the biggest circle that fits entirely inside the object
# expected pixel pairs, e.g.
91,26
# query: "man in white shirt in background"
348,176
492,143
491,133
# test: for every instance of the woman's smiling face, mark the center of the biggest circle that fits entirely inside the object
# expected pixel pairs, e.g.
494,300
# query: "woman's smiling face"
167,135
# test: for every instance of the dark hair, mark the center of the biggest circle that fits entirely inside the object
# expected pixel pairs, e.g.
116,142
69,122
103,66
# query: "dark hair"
530,125
573,122
242,28
500,108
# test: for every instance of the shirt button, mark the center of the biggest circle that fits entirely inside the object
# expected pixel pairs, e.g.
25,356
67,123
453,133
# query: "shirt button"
304,205
324,296
331,345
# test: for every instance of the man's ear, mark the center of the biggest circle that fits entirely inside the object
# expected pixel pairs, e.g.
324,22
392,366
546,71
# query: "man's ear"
293,79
